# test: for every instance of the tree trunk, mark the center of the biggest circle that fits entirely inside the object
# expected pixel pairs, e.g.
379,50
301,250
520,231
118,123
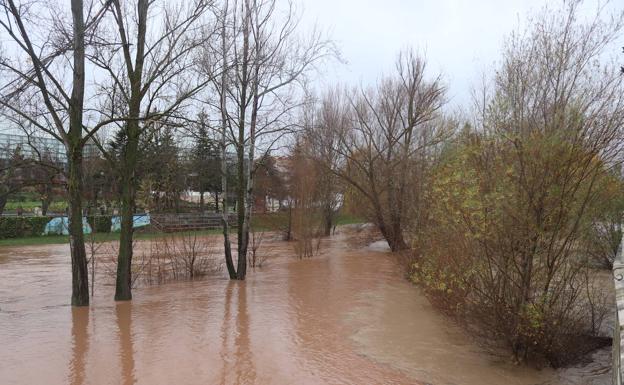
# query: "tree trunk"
80,276
397,242
223,109
123,286
45,204
289,228
394,237
240,212
216,201
3,201
242,267
201,200
328,222
74,146
243,232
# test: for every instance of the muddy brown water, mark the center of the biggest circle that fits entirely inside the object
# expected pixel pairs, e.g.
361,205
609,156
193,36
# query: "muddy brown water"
344,317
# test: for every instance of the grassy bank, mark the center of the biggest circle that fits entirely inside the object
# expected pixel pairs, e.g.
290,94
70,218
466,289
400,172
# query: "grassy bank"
263,222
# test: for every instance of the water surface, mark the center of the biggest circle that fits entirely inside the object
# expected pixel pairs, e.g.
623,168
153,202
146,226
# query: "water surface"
344,317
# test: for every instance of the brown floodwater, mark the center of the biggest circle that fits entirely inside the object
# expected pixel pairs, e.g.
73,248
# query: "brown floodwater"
344,317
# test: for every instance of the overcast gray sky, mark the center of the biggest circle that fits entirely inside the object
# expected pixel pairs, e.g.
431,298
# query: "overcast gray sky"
461,38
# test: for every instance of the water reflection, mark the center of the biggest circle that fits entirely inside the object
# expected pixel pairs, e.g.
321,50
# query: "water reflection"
245,371
237,360
123,312
80,345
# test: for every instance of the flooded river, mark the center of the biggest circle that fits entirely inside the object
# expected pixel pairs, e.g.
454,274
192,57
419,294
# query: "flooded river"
344,317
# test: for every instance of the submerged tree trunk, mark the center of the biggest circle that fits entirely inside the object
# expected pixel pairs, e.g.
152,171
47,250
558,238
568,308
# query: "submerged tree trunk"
223,106
240,214
240,152
123,287
74,145
397,242
80,275
392,235
242,268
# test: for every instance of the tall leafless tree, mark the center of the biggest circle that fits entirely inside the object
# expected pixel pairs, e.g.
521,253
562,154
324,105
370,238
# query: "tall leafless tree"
147,62
323,125
44,84
390,134
262,62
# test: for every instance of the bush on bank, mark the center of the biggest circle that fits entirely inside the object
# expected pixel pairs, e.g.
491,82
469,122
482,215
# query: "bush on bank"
21,227
24,227
503,249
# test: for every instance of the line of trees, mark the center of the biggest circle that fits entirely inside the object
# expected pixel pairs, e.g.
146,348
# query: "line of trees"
149,65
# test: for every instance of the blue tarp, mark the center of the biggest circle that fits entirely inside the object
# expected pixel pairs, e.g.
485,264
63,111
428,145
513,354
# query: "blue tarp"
60,226
137,221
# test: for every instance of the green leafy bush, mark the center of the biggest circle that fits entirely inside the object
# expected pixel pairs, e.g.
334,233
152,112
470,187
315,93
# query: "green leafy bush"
20,227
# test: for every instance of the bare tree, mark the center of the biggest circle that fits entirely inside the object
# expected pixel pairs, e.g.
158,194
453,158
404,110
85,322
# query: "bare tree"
262,62
385,145
305,197
147,62
44,84
323,125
